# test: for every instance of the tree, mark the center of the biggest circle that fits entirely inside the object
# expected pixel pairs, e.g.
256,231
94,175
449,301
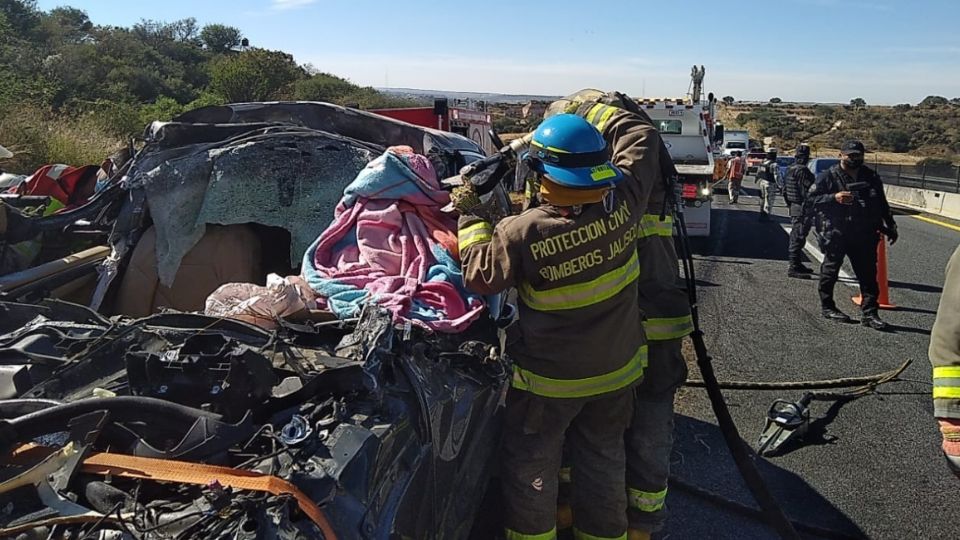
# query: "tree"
186,30
254,75
728,100
902,107
324,87
930,102
858,103
894,140
157,32
220,37
776,100
22,15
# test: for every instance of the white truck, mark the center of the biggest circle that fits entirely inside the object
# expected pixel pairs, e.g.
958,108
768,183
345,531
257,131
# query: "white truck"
686,126
686,130
735,140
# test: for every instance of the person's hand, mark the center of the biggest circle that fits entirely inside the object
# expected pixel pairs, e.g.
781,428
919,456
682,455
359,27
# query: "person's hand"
844,197
950,429
892,234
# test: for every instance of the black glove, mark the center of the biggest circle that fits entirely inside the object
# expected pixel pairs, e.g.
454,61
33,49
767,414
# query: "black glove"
890,231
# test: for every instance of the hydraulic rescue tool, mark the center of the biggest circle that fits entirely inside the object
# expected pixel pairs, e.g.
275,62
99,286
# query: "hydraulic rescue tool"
788,421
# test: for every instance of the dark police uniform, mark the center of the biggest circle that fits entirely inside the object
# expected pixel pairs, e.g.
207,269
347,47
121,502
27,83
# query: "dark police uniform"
797,184
850,230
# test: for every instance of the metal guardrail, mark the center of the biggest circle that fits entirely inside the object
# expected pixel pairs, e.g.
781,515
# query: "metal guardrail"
936,178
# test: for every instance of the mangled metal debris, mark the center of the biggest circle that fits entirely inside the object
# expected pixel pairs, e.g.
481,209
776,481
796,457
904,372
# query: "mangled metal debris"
367,427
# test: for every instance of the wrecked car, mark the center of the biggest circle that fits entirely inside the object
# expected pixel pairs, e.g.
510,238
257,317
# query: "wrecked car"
127,413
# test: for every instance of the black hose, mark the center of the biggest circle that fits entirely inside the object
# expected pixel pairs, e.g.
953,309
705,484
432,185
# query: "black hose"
743,455
13,408
121,408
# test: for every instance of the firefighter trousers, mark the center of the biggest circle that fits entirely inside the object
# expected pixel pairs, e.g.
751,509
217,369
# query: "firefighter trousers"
533,441
862,252
650,437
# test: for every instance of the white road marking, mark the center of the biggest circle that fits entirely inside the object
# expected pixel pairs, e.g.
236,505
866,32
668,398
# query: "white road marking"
818,255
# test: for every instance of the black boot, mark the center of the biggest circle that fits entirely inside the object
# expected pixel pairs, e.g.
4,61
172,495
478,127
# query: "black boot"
872,320
798,272
834,314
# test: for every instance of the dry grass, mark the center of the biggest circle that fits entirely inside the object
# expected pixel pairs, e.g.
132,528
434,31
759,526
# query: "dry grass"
886,158
37,138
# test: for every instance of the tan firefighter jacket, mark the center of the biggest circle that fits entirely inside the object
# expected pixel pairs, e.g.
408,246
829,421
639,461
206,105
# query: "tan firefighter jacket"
945,345
576,275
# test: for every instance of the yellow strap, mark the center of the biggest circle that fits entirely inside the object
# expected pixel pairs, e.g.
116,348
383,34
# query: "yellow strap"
946,392
650,225
514,535
593,112
473,234
586,387
584,294
602,122
580,535
646,501
667,328
946,372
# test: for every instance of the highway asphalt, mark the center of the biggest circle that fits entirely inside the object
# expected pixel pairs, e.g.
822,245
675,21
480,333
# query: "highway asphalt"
870,467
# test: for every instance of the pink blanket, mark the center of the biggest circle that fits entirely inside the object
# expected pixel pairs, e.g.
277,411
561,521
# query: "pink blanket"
389,244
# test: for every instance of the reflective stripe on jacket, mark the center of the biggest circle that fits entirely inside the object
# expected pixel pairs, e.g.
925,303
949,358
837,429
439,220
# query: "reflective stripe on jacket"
576,274
945,345
664,304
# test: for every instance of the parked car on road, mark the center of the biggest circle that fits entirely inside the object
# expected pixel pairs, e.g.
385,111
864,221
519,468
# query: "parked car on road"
782,163
754,159
819,165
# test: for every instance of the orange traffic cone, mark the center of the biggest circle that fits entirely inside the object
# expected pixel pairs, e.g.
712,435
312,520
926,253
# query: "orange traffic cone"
884,298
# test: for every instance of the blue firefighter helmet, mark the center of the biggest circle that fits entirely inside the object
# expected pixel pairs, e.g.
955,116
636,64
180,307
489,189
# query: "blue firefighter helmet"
572,153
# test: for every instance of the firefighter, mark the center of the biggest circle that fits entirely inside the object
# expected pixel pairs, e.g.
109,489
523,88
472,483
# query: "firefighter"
851,211
665,306
796,185
767,178
945,357
579,350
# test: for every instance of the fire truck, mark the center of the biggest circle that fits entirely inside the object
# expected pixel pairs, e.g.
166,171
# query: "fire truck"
467,118
687,128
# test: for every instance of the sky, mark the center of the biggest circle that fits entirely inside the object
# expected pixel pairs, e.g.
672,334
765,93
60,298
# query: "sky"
885,51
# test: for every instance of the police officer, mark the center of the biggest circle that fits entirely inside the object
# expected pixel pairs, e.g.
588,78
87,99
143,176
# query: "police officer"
851,211
580,349
796,185
767,178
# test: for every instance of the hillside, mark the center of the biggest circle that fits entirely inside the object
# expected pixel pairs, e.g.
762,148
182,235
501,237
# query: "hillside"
72,90
928,129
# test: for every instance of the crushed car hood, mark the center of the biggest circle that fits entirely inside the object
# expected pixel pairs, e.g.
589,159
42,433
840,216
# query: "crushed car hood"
370,431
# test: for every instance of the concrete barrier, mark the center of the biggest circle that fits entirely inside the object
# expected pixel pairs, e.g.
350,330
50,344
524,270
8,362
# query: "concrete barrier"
933,202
